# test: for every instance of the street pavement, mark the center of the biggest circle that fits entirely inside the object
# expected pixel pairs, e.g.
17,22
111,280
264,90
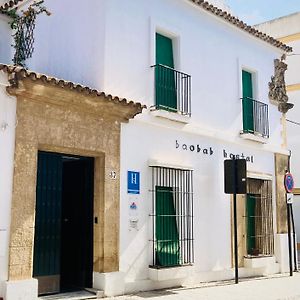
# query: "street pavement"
279,287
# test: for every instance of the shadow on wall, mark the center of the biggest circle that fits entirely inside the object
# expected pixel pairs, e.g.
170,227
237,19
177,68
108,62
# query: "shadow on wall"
136,254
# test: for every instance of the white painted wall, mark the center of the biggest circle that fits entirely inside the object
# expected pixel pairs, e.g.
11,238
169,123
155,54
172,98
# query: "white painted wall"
113,46
7,144
214,53
70,43
209,52
144,141
6,40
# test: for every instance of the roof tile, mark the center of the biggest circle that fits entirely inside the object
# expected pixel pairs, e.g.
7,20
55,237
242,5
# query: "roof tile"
22,73
9,4
240,24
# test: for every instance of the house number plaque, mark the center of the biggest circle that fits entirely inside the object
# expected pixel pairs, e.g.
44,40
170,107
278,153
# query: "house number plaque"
113,175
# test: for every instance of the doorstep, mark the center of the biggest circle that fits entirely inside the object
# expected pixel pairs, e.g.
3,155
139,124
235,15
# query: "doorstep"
80,295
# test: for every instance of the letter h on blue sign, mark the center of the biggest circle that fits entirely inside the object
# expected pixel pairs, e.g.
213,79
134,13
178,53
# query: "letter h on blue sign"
133,182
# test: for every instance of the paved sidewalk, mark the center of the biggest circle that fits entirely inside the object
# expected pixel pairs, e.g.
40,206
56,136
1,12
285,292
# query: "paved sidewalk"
281,287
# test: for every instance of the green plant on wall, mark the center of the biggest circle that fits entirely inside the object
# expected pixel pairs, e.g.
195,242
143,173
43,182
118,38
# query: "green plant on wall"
23,25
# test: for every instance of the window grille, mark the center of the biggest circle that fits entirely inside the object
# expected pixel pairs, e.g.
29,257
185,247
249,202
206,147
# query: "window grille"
172,217
259,218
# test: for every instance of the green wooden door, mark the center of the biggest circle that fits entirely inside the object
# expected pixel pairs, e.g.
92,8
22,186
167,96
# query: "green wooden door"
167,237
165,89
250,222
47,238
248,121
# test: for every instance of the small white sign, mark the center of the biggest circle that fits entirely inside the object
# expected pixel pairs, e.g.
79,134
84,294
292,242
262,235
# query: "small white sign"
133,213
133,224
289,198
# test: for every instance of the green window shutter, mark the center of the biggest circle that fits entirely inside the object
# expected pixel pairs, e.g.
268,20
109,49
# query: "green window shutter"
164,51
165,88
167,237
248,121
250,220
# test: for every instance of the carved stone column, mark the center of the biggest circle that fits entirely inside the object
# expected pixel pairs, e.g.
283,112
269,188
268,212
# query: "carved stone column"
281,165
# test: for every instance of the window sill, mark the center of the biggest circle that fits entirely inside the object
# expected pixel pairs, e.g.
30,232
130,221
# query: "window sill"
170,273
254,137
172,116
259,261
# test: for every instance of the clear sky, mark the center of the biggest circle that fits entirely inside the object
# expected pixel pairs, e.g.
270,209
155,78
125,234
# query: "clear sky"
258,11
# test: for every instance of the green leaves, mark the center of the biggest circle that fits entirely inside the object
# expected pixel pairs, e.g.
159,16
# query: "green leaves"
23,25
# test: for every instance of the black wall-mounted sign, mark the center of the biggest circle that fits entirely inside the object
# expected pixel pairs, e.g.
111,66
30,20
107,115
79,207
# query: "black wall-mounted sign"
235,176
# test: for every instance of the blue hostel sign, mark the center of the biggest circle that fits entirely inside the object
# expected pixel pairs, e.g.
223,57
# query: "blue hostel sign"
133,182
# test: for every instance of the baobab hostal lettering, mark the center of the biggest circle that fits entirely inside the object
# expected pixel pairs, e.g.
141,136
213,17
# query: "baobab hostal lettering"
196,148
238,156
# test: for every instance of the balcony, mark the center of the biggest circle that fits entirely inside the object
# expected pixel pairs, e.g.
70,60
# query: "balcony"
255,118
172,90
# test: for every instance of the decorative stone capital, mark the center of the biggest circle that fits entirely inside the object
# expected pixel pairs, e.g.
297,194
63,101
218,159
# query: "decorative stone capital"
277,88
285,107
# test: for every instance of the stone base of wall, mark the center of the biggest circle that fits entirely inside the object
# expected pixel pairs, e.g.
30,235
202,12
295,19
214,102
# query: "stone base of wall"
282,252
112,284
199,277
21,290
266,264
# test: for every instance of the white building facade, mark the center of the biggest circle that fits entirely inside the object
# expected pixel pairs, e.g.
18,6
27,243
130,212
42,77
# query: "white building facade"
203,76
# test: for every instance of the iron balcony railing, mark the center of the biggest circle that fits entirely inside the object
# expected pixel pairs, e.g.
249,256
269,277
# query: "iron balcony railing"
255,117
172,90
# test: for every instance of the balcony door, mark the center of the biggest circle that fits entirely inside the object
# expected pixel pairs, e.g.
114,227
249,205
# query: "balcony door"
165,87
248,117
